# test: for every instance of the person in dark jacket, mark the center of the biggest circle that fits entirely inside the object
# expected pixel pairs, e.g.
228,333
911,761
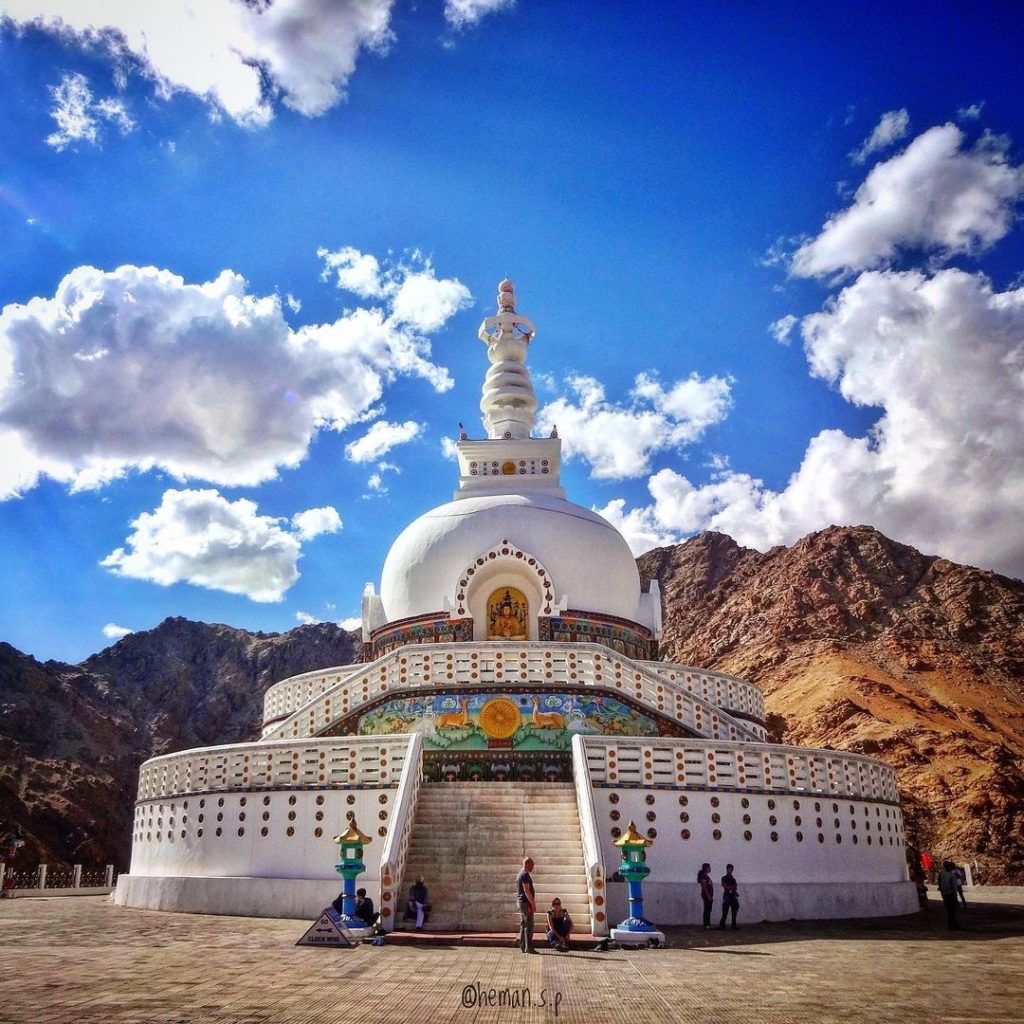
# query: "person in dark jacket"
730,897
419,902
364,908
707,891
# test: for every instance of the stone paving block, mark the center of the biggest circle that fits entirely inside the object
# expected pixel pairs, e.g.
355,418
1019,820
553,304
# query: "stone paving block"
84,961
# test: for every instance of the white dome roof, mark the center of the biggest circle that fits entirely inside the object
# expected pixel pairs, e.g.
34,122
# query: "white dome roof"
587,560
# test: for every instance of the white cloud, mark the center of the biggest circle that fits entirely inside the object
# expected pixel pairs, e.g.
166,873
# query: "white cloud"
783,327
463,13
935,197
619,439
449,449
355,622
418,299
238,56
376,483
306,619
315,521
211,382
199,537
891,128
112,631
943,467
292,303
971,113
380,439
78,115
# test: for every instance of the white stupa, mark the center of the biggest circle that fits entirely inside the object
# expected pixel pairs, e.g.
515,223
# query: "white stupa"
510,701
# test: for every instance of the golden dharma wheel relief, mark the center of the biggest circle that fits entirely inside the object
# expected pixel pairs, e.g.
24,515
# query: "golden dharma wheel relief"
500,717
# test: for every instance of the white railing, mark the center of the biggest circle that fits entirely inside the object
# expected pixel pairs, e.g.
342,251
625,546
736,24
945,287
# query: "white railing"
291,694
490,665
593,859
337,762
707,765
718,688
396,845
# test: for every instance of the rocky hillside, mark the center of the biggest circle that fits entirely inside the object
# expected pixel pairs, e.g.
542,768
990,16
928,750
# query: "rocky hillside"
859,643
863,644
72,737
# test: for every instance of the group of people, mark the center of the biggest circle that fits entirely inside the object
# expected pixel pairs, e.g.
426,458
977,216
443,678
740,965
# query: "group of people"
730,894
558,920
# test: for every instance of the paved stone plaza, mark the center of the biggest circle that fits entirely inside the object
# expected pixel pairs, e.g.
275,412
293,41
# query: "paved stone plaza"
81,959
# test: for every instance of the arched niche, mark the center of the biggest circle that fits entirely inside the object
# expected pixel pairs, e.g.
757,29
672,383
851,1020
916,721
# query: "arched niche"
503,567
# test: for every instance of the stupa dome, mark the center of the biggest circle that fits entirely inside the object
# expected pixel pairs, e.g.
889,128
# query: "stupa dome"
586,561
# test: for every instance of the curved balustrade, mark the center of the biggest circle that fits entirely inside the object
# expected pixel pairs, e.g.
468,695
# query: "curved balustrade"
708,765
336,762
724,691
442,666
718,688
287,696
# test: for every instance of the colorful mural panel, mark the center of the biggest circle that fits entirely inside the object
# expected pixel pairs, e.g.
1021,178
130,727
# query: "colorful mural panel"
505,721
631,640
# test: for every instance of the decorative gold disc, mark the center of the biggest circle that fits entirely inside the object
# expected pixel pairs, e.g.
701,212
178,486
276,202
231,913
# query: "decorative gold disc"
500,718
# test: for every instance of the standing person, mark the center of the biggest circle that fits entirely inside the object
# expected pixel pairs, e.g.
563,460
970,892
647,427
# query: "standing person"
707,891
958,876
730,898
947,886
526,898
559,926
419,901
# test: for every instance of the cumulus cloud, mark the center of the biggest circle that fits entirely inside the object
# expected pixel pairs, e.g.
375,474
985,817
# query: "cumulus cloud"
355,622
463,13
305,619
783,327
79,116
380,439
970,113
202,538
238,56
942,468
315,521
891,128
619,439
112,631
935,197
417,297
137,369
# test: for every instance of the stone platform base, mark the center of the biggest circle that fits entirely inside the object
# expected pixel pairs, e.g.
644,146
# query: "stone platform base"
672,903
299,898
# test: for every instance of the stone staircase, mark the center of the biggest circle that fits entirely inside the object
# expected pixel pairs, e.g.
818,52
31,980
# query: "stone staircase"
468,842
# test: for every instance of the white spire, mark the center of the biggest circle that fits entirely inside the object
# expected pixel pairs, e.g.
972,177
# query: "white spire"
508,401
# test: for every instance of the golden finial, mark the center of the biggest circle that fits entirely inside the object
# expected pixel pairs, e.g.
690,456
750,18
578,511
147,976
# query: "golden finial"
632,838
352,835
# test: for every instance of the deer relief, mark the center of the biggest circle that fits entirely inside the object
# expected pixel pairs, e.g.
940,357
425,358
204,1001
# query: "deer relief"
455,719
546,719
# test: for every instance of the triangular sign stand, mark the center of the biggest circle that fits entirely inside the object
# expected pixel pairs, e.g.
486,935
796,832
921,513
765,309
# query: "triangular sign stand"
328,930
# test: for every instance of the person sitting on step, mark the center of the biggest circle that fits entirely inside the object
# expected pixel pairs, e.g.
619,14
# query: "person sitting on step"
559,926
419,902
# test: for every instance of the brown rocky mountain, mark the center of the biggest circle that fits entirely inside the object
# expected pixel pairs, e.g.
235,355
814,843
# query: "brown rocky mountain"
858,642
72,737
863,644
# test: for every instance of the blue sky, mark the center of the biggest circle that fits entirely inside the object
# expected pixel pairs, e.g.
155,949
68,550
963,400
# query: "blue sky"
774,257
